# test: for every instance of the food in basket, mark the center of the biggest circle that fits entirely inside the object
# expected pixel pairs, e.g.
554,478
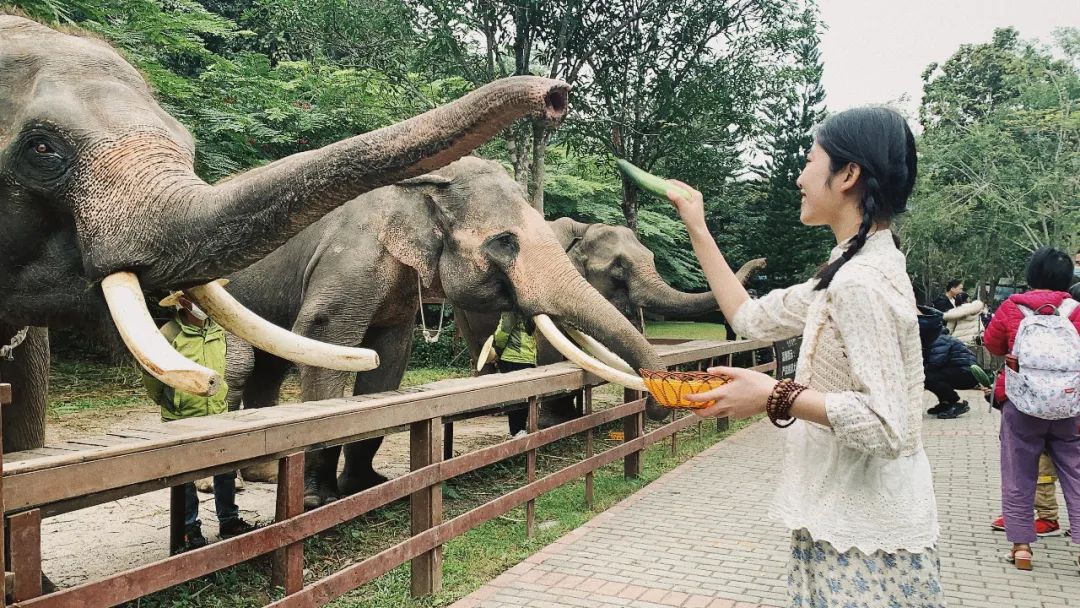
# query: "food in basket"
671,388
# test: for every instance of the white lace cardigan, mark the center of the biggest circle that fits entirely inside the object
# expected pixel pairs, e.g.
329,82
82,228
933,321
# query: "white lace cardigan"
865,482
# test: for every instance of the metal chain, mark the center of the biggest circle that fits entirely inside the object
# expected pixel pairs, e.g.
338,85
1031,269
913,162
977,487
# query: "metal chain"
16,340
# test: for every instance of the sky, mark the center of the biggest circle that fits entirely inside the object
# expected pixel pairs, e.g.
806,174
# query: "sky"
874,51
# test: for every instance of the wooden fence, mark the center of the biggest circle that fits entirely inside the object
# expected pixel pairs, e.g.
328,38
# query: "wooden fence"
78,473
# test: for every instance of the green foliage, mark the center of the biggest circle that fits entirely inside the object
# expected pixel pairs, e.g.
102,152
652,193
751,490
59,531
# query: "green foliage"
999,163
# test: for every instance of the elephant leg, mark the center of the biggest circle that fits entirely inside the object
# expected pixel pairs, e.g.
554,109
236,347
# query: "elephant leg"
254,379
557,410
326,318
394,345
28,375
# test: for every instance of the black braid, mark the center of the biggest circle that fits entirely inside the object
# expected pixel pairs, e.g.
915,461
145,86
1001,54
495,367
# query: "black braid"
869,210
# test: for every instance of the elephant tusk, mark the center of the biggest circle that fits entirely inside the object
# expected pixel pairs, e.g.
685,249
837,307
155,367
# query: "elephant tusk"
587,362
264,335
153,352
598,350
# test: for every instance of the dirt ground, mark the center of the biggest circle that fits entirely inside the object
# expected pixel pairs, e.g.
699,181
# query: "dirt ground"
97,541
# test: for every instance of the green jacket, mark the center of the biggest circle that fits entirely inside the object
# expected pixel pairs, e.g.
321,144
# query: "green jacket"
203,345
514,340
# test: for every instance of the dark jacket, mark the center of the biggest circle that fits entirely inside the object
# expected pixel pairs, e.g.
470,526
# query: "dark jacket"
943,304
947,351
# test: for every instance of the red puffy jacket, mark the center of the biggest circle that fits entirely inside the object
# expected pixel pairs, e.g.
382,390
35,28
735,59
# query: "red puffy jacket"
1001,333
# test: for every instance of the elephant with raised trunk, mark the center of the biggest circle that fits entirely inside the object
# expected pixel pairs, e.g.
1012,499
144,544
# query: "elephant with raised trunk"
99,198
354,278
621,268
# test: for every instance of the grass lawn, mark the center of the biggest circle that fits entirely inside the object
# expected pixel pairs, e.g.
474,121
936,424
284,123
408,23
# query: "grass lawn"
685,329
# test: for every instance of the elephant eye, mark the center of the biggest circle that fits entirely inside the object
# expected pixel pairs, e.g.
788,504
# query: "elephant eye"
42,148
45,158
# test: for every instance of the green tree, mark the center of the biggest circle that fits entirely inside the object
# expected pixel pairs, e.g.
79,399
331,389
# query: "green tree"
797,105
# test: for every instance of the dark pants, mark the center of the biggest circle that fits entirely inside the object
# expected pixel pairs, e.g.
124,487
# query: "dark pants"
944,382
1023,439
519,419
224,500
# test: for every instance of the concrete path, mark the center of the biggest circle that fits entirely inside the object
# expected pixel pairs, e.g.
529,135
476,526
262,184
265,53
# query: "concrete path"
700,536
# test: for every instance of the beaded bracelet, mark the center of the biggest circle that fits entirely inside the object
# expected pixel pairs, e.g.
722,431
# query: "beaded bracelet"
778,405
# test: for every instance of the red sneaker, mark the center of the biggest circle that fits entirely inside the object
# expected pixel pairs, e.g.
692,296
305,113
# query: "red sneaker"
1046,527
998,524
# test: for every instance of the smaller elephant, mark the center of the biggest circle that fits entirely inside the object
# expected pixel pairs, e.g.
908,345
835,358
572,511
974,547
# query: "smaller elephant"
354,279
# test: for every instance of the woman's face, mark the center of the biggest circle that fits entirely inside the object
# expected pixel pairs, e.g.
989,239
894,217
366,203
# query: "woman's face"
820,202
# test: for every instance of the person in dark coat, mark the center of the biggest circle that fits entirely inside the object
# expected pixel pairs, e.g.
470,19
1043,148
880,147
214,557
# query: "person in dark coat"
946,364
947,301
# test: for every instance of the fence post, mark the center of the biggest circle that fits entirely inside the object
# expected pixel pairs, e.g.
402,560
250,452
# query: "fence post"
288,563
633,427
722,424
25,531
5,399
586,405
176,519
425,505
533,425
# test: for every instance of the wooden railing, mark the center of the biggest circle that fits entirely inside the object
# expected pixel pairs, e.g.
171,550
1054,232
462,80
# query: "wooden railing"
75,474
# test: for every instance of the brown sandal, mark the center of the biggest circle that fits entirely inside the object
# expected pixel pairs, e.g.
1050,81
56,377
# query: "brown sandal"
1021,558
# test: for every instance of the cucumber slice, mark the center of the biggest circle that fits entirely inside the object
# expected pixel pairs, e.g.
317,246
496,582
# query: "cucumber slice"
648,182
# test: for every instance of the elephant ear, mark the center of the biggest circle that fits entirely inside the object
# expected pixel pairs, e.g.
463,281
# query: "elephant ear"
415,235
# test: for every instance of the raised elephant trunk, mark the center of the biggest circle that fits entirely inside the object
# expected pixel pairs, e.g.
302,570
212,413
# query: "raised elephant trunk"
547,283
206,231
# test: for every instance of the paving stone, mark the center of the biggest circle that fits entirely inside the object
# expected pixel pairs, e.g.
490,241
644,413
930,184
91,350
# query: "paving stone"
641,554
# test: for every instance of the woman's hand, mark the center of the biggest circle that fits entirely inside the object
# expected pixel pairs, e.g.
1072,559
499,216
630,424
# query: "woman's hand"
692,209
743,396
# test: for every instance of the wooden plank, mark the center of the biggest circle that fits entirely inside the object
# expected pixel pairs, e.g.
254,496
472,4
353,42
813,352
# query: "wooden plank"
95,469
288,563
587,408
177,515
5,394
532,426
25,531
425,506
633,426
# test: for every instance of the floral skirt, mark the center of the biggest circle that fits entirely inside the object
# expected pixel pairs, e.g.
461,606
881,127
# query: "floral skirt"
820,577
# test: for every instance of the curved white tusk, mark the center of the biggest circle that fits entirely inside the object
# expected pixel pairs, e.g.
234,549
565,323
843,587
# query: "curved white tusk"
598,350
264,335
586,361
153,352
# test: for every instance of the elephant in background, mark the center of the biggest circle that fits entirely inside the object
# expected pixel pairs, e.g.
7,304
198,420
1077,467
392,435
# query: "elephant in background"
623,270
465,232
97,186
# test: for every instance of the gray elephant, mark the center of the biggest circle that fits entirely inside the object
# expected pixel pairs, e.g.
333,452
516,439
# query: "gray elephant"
623,270
353,278
99,198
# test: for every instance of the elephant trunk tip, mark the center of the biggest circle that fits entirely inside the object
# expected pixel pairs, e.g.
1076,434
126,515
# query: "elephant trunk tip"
555,103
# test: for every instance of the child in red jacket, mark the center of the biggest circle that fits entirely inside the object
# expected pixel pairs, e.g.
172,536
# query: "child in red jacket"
1024,437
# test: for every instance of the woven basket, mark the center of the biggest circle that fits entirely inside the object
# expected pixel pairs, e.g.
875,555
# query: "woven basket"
671,388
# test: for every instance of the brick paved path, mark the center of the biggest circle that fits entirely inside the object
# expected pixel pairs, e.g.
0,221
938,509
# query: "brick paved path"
639,554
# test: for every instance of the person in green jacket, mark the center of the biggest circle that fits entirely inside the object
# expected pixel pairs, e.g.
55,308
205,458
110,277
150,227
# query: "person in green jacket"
193,334
516,348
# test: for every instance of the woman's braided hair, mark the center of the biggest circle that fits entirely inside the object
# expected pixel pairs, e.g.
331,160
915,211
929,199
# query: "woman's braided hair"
880,142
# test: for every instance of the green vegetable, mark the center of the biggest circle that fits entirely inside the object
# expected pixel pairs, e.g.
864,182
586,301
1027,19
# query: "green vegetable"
649,182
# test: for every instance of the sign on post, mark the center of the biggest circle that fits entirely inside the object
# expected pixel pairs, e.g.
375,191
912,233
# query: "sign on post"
787,356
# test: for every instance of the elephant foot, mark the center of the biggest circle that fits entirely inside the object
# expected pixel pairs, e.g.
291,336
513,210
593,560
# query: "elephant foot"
265,472
205,485
351,484
318,493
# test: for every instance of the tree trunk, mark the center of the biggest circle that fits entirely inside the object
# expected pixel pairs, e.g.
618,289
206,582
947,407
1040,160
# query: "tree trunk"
541,133
518,151
629,204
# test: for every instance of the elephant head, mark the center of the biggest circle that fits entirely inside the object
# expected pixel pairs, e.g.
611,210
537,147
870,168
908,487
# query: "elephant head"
623,270
481,244
97,181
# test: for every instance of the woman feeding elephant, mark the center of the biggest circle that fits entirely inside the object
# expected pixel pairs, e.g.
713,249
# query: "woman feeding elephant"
855,488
